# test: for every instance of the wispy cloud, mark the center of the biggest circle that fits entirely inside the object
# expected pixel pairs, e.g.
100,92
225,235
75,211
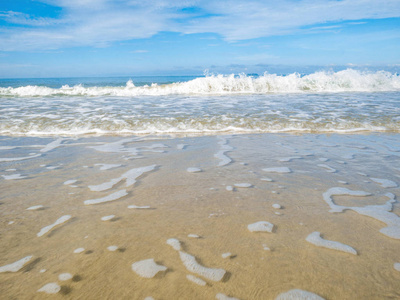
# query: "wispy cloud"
99,23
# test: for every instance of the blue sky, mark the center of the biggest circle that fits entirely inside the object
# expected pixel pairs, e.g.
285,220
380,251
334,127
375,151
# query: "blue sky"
69,38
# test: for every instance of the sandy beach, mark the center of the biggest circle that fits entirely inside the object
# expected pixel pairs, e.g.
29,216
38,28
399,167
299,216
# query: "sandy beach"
120,199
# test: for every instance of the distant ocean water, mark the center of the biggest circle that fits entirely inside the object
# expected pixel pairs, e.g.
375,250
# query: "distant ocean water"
344,101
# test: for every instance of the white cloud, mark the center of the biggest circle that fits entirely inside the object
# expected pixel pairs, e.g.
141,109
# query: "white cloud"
99,23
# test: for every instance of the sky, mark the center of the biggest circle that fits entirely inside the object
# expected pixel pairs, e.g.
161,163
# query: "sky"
77,38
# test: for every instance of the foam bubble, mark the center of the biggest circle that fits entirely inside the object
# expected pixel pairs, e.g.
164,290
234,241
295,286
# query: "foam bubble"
385,182
315,239
112,248
46,229
68,182
193,236
7,159
224,147
64,276
104,167
297,294
79,250
129,176
108,218
174,243
289,159
243,185
52,145
13,176
196,280
221,296
15,266
396,266
112,197
261,226
379,212
193,266
328,168
193,170
50,288
147,268
36,207
278,170
267,179
138,207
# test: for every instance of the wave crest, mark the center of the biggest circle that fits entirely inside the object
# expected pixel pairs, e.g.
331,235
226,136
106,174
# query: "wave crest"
319,82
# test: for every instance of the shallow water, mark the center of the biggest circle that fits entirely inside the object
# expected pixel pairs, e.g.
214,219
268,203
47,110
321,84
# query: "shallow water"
178,203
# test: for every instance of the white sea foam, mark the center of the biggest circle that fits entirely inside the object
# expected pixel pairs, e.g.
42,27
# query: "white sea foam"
147,268
297,294
224,147
396,266
316,239
52,145
193,266
139,207
64,276
68,182
112,248
36,207
289,159
379,212
267,179
6,159
261,226
193,236
50,288
13,177
386,183
108,218
174,243
243,185
221,296
328,168
343,81
130,177
112,197
15,266
277,170
104,167
60,221
196,280
193,170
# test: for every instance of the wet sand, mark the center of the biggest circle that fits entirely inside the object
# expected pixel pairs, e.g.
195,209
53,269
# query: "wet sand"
161,188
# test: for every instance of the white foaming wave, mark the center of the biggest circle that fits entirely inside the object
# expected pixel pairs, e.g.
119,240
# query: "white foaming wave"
343,81
191,130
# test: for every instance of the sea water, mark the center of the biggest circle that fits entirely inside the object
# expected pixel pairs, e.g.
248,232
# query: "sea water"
345,101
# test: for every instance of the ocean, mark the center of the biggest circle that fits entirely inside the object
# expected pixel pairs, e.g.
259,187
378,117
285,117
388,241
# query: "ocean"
272,186
322,102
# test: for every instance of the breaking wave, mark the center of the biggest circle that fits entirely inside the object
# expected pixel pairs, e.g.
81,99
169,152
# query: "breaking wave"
319,82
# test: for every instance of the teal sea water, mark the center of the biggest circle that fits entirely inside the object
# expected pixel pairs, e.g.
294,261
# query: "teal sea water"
347,101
